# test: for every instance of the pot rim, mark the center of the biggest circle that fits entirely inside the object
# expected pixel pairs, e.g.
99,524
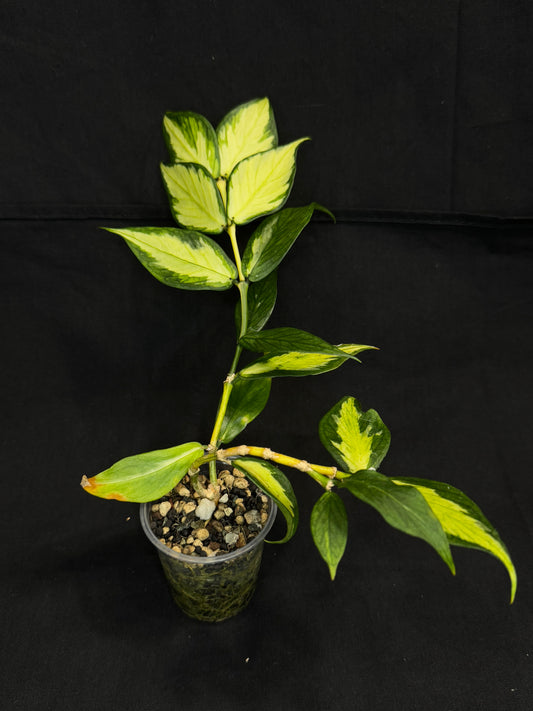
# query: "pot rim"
200,560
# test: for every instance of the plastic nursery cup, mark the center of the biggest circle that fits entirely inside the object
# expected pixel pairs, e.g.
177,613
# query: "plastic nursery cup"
211,589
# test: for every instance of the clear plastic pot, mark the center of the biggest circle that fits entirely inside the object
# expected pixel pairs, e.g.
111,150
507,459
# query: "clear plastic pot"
211,589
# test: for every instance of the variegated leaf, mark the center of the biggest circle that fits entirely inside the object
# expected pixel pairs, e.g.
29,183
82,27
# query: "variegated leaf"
180,258
246,130
273,238
144,477
191,139
195,200
283,340
292,352
261,183
293,364
274,483
402,507
463,521
356,439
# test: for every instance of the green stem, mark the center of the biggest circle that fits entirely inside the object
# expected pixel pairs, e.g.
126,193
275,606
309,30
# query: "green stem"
242,285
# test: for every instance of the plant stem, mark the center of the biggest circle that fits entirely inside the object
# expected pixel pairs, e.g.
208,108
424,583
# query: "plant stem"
242,285
233,237
321,474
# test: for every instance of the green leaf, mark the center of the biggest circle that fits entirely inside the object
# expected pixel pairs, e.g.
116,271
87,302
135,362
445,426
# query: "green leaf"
463,521
180,258
409,513
284,340
272,240
356,439
195,200
274,483
246,130
261,183
329,528
261,300
144,477
191,139
247,400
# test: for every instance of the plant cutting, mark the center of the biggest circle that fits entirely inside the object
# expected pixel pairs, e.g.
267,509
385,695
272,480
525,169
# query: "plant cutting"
208,505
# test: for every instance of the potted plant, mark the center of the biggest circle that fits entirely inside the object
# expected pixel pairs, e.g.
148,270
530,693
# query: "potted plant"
207,507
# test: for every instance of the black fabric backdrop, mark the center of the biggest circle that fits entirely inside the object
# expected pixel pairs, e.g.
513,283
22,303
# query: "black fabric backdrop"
419,115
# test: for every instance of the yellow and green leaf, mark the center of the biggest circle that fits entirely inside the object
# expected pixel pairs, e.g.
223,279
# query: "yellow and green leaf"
293,352
285,339
273,238
402,507
273,482
290,365
144,477
356,439
246,130
191,139
194,198
261,183
463,521
180,258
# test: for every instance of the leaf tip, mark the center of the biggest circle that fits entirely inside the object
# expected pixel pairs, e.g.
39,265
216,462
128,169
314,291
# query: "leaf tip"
91,486
514,583
321,208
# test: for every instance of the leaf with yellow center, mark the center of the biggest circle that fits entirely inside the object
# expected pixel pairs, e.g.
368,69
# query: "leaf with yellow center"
261,183
191,139
274,483
246,130
356,439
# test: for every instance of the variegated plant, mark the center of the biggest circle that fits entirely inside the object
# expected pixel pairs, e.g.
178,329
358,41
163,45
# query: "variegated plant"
216,180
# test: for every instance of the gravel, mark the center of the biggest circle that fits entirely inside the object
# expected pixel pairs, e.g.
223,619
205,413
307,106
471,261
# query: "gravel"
192,524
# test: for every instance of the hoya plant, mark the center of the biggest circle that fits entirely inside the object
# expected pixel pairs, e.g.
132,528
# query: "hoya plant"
217,180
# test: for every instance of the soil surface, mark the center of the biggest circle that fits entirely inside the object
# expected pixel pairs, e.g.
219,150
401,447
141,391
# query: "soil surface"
213,523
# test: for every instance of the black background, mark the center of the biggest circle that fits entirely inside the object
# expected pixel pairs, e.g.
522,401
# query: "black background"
421,117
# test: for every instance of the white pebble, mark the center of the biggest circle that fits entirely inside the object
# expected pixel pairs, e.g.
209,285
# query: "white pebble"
205,509
223,499
231,538
164,507
252,516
